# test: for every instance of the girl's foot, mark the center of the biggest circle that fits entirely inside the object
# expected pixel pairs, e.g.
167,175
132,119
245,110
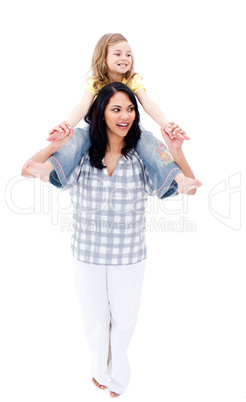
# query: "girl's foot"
113,394
40,170
97,384
186,184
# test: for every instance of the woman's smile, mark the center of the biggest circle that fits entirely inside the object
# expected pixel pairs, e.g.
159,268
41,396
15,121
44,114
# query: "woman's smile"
123,125
119,115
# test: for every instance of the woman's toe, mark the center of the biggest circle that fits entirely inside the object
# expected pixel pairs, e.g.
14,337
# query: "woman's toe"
97,384
113,394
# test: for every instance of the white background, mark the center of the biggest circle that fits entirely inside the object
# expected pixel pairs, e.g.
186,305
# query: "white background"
189,344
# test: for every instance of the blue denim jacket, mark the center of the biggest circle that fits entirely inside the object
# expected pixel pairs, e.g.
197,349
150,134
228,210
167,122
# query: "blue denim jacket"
155,155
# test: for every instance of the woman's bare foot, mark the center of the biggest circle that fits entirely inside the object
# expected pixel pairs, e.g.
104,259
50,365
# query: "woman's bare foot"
97,384
40,170
186,185
113,394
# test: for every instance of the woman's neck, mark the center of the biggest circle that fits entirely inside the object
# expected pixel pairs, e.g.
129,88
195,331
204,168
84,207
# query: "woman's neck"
115,145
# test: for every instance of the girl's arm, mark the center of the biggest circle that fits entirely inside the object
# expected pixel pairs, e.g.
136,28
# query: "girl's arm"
76,116
81,109
153,110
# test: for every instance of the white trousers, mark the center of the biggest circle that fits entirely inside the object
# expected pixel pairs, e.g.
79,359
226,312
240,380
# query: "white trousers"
110,298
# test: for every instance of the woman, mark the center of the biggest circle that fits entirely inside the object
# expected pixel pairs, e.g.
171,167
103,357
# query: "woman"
109,188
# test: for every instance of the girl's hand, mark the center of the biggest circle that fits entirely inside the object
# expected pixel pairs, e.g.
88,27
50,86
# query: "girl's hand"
59,132
174,131
59,143
174,143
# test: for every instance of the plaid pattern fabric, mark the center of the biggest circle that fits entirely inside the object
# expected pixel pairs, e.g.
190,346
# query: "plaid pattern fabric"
109,212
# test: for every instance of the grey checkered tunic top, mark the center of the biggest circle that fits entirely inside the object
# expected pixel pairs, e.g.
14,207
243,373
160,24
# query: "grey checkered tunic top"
109,212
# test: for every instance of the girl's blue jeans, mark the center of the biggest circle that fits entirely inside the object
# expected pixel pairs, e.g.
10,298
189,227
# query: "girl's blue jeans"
155,155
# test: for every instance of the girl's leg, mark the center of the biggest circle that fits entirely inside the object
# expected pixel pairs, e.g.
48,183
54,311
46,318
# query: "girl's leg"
124,290
91,286
159,163
67,158
40,170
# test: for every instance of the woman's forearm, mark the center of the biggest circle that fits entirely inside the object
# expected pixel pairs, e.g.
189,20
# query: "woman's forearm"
40,157
181,161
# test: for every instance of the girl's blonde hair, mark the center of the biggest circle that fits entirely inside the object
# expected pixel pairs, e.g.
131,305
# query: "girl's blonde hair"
98,63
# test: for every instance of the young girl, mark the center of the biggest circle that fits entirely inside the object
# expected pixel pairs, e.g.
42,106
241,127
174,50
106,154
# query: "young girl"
112,61
109,189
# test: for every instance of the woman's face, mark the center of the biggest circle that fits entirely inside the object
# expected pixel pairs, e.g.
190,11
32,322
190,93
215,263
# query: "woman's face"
119,58
119,115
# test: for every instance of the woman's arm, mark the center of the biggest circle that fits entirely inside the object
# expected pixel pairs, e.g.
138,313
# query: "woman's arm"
42,156
181,161
175,148
153,110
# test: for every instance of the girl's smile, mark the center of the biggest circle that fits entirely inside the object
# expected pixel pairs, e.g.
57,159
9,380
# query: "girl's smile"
119,58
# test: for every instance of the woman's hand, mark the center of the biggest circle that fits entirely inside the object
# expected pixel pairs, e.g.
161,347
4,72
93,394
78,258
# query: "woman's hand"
59,143
60,132
174,131
38,165
176,142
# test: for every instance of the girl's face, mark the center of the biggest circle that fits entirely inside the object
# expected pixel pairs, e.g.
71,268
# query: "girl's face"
119,115
119,58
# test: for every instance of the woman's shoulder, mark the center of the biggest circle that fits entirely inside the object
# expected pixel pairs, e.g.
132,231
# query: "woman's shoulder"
138,170
134,158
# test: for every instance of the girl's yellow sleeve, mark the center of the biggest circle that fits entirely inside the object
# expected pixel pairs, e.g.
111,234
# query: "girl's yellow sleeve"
89,85
136,83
